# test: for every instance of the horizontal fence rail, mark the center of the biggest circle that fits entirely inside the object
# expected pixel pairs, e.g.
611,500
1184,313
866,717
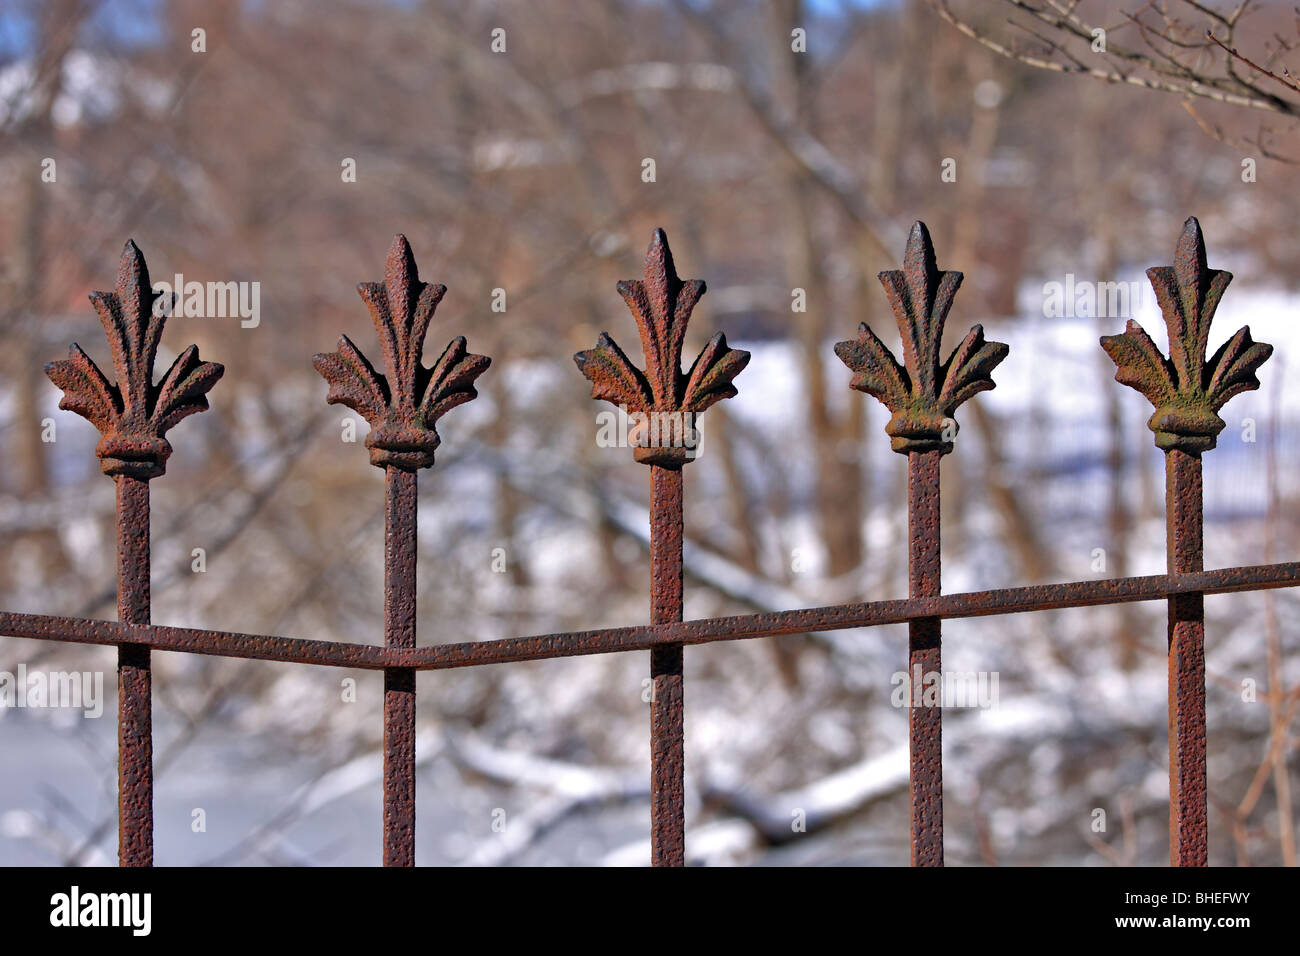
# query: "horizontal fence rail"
403,403
644,637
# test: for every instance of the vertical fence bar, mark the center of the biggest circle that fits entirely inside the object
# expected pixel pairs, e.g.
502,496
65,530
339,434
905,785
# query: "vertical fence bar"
925,723
667,705
663,403
1187,390
1188,821
133,416
922,394
134,678
402,409
399,682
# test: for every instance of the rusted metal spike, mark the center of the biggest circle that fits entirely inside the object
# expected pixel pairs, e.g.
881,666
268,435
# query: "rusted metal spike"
662,304
1186,389
133,416
923,393
402,408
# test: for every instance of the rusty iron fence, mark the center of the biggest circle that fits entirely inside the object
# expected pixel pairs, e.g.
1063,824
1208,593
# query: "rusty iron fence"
403,403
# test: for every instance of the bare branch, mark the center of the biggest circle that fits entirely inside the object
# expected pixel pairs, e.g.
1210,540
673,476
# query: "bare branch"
1287,80
1158,70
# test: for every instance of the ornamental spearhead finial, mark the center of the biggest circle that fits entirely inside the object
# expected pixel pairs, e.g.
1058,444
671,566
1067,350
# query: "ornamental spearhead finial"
662,304
1186,389
922,393
133,415
403,406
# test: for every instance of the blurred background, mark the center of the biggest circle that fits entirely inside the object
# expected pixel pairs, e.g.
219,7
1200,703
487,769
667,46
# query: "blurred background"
793,144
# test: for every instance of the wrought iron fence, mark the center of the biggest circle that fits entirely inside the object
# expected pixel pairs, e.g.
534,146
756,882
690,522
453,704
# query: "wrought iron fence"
403,403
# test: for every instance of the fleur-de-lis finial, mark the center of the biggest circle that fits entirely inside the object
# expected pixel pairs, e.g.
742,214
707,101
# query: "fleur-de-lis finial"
922,393
1186,389
403,406
662,304
134,414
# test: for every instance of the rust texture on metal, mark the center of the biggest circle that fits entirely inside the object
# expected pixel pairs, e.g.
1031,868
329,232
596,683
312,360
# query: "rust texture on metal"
664,437
402,406
133,416
924,719
1039,597
399,682
662,304
922,394
1187,390
667,705
134,678
1188,803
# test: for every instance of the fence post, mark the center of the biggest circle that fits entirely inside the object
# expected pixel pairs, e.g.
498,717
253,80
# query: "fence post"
133,416
662,403
134,677
402,409
1187,392
924,657
667,705
923,395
